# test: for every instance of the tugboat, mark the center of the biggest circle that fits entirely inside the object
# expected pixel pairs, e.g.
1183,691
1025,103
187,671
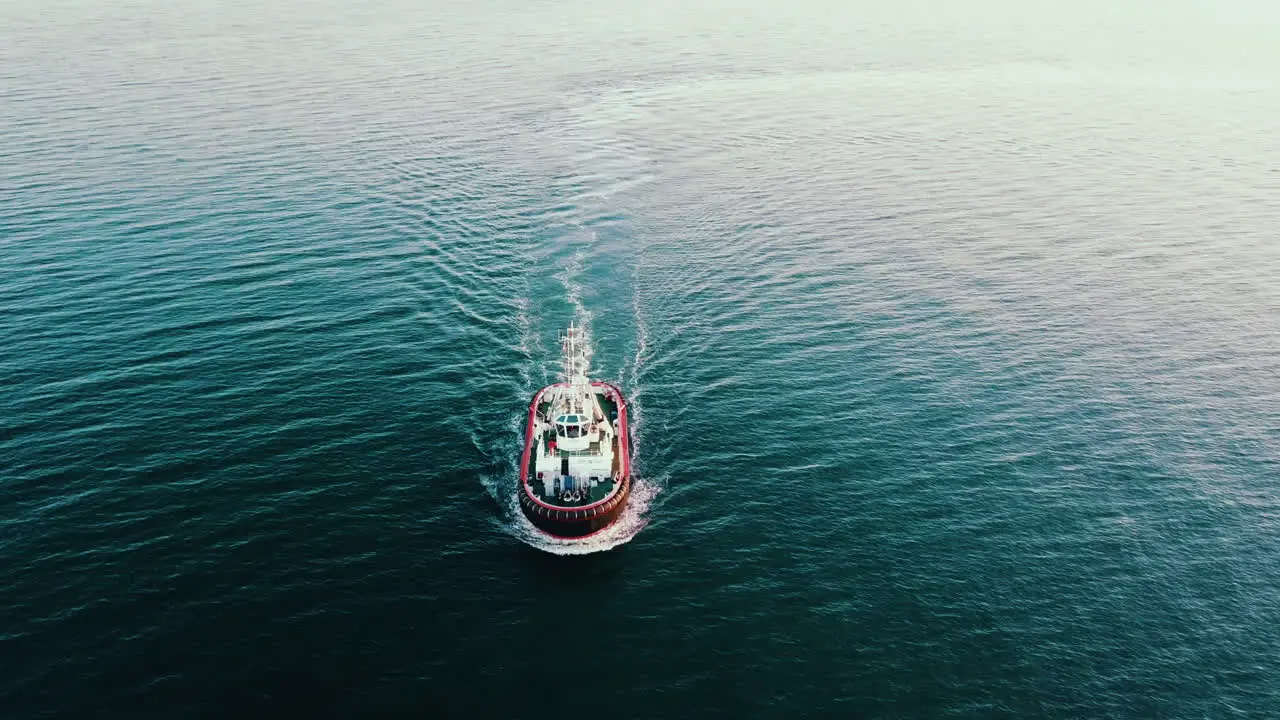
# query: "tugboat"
575,474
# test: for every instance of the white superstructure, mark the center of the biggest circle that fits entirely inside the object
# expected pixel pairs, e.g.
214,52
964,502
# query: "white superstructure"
574,435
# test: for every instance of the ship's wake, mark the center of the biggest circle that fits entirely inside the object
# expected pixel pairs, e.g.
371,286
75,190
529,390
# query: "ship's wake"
567,264
635,516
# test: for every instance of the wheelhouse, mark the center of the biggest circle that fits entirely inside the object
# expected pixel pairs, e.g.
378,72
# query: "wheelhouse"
570,426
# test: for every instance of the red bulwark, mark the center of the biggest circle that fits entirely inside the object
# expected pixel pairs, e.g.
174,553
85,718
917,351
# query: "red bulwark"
579,522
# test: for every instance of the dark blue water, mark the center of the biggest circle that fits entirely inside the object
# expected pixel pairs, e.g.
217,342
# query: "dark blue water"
952,336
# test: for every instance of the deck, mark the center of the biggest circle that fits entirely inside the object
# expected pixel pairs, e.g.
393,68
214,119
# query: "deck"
597,492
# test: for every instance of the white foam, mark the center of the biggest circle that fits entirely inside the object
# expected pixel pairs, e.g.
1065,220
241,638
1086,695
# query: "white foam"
633,392
633,519
568,277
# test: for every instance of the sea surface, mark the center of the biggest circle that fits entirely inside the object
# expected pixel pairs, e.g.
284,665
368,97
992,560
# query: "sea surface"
951,333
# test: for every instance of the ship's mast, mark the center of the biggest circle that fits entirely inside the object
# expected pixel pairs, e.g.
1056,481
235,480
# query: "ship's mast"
575,371
575,359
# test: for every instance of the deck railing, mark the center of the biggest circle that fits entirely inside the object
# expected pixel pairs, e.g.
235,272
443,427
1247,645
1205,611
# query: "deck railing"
576,453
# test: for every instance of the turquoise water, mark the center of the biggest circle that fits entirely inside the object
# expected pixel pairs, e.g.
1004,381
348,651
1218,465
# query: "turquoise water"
952,338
